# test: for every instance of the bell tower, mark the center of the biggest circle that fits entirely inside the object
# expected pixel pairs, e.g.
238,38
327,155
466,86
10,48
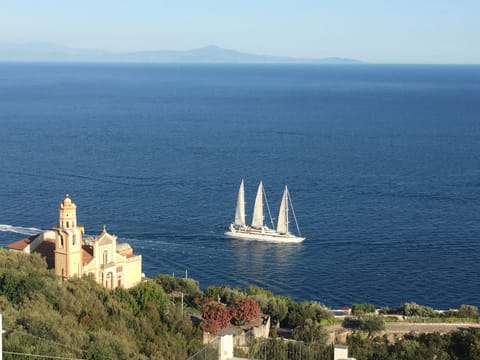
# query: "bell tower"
68,242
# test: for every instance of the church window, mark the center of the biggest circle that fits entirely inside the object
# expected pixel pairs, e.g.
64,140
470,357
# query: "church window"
67,224
74,239
61,240
105,257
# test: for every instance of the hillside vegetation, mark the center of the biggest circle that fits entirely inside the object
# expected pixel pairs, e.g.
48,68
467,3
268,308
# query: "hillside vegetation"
80,319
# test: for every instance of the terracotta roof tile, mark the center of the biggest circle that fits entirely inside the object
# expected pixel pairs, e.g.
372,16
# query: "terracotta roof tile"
22,244
87,254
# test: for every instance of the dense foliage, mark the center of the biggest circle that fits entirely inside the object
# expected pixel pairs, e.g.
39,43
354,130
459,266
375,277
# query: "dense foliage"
369,323
244,310
362,309
215,316
457,345
81,319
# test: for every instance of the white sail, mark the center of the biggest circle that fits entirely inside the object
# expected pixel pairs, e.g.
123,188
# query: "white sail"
258,231
282,225
257,218
240,210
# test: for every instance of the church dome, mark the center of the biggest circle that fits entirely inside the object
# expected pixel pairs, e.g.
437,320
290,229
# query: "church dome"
67,202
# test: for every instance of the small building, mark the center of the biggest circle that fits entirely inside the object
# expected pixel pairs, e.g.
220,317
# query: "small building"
69,254
258,328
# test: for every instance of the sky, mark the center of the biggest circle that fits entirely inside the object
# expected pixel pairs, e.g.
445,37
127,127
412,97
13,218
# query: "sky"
383,31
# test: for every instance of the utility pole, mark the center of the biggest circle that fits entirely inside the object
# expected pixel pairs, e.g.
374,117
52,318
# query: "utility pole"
1,337
182,309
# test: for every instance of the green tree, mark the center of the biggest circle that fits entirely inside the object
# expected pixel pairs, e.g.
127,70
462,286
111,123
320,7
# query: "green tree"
299,313
362,309
413,309
277,309
255,290
369,323
149,292
372,324
468,311
169,283
311,332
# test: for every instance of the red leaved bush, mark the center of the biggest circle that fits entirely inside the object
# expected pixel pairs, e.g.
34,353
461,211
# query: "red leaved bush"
244,310
215,317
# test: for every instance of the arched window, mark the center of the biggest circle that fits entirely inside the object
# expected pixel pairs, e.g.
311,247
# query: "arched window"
105,257
67,224
61,240
74,239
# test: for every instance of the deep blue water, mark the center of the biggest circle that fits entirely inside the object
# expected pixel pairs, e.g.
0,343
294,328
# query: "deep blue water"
382,162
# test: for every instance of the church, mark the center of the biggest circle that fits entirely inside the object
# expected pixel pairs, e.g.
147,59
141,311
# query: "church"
66,251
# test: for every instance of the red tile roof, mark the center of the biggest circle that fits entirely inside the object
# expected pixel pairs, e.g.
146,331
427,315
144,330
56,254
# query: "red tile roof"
87,254
22,244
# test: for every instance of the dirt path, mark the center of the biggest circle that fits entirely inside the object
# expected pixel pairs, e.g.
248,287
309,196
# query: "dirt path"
403,327
406,327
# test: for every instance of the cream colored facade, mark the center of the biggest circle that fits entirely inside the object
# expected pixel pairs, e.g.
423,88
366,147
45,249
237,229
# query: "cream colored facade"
111,264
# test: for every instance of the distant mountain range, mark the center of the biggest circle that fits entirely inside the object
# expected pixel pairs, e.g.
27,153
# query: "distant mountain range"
209,54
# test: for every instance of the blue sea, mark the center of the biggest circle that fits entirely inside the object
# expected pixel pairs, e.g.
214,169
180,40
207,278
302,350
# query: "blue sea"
382,163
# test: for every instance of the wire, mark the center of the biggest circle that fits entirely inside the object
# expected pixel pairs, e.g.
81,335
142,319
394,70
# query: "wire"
51,341
40,356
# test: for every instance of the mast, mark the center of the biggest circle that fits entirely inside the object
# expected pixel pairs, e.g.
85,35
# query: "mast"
240,210
257,218
294,216
282,225
268,209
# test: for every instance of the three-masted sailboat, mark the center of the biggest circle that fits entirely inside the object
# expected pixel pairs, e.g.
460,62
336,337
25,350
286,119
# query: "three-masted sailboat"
258,230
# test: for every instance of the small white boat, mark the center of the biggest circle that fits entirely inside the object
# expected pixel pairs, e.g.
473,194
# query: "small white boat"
258,230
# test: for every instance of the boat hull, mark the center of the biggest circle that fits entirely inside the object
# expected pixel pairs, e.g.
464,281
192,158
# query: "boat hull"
270,236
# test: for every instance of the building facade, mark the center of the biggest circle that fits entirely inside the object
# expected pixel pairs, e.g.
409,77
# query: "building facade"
66,251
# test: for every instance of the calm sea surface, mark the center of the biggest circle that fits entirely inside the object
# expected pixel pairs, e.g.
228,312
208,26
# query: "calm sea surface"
382,162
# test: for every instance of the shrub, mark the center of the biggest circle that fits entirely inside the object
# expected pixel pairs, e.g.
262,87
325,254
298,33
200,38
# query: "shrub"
361,309
215,317
244,310
413,309
311,332
170,283
147,293
468,311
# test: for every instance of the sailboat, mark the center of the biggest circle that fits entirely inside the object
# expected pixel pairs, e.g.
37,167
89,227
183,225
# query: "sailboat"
258,230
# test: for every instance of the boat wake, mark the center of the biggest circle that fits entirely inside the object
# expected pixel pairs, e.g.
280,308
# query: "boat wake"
19,229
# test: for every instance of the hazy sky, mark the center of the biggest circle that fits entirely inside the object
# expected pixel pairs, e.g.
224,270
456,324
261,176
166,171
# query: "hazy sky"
403,31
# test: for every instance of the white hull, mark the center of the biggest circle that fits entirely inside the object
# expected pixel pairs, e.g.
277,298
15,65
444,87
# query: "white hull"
264,234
